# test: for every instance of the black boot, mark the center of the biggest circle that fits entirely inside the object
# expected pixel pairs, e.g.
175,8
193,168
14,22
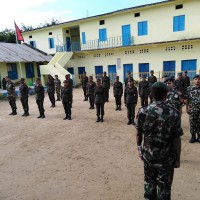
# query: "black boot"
120,108
27,114
40,116
24,114
66,117
102,118
14,112
133,122
193,139
129,122
98,118
70,118
198,139
43,115
11,113
117,108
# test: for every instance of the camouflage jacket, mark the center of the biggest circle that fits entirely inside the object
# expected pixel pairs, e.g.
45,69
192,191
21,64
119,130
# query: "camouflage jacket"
117,89
57,83
24,91
91,88
10,87
66,94
181,85
174,99
144,88
39,92
84,81
131,95
159,124
50,86
99,94
106,82
193,97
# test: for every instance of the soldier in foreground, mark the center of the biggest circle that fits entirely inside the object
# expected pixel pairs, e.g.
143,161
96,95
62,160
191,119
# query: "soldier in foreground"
57,84
106,86
51,91
99,100
10,87
159,129
24,93
144,91
84,82
118,92
90,91
67,99
70,81
131,98
181,84
152,79
193,108
128,78
39,97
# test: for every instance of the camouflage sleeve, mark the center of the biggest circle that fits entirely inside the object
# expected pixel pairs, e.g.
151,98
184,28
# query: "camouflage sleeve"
177,130
122,89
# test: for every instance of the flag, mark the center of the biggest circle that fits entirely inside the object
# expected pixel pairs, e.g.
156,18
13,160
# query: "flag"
18,33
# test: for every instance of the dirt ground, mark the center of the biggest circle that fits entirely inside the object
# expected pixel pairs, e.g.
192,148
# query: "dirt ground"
52,159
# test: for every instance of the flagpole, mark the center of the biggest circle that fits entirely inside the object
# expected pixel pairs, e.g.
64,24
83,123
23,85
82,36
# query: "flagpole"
20,66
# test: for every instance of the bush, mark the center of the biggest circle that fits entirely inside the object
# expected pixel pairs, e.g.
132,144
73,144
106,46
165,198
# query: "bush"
3,98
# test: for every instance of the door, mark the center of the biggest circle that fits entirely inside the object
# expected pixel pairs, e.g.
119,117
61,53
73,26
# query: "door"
80,71
99,71
112,72
169,68
126,35
127,68
144,69
68,44
70,70
190,66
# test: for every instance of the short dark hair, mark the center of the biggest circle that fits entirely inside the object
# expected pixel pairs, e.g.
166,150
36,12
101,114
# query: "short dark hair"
159,91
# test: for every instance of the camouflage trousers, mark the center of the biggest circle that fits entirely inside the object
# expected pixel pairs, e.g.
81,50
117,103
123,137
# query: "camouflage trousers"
12,102
158,182
194,119
58,93
25,105
144,100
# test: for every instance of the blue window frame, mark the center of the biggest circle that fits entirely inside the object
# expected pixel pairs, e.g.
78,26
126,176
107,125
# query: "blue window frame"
70,70
126,35
33,44
83,38
51,43
179,23
142,28
127,68
169,67
102,34
12,71
190,66
29,70
144,69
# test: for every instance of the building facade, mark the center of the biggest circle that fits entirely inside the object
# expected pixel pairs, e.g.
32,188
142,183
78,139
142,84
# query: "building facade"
164,37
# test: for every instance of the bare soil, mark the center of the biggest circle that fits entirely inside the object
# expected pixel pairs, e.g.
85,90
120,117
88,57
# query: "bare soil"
52,159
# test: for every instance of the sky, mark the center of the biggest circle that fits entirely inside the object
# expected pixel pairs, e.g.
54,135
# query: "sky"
34,12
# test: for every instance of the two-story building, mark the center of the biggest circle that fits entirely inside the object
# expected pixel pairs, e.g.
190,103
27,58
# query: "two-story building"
164,37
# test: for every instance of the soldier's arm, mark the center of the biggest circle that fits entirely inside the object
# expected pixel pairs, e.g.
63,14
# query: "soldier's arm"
122,89
139,136
136,95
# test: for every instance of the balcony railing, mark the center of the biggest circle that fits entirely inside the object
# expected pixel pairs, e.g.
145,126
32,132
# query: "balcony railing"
97,44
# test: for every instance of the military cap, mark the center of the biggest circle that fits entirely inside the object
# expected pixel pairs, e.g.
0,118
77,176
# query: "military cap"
165,76
117,77
22,79
167,79
160,85
151,71
196,76
180,74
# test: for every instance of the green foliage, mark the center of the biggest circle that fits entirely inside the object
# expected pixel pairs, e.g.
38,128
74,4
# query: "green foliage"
8,36
26,28
3,98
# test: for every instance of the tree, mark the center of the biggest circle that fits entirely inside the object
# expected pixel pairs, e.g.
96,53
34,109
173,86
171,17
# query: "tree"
8,36
26,28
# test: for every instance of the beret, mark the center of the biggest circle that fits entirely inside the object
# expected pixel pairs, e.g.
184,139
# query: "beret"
196,76
180,74
168,79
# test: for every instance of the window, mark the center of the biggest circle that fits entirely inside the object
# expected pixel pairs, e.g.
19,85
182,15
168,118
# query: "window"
50,33
12,71
51,43
142,28
33,44
83,38
179,6
137,14
102,34
29,70
144,69
101,22
30,36
179,23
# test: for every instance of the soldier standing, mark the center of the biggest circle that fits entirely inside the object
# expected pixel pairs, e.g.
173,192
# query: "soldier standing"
152,79
131,99
118,92
67,99
99,100
24,93
180,84
39,97
10,86
187,78
128,78
159,127
57,84
144,91
51,91
84,82
193,108
68,79
90,91
106,86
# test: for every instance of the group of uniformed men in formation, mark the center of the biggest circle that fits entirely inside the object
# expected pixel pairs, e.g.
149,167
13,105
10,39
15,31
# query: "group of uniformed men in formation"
158,124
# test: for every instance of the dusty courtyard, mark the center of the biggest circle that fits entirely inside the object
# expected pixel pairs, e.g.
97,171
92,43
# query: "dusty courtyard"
52,159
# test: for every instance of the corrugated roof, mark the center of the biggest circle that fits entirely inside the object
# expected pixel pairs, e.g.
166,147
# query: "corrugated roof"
21,52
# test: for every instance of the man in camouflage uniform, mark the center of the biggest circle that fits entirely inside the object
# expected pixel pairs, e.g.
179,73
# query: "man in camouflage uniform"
131,98
24,93
84,82
51,91
174,98
187,78
193,108
181,84
67,99
39,97
159,128
144,91
10,87
152,79
128,78
118,92
70,81
90,91
106,86
57,84
99,100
